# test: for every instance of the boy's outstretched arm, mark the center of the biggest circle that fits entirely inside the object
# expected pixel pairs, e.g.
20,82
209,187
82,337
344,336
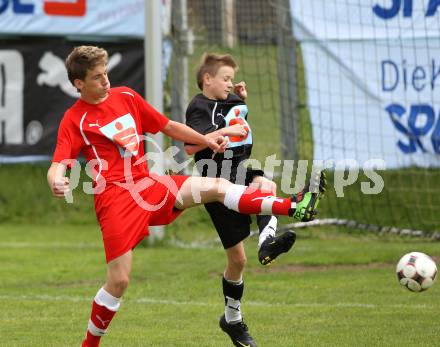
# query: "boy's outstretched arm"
233,130
182,132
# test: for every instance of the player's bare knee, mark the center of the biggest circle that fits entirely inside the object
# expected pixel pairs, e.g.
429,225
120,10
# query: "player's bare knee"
238,263
267,186
121,283
221,182
220,187
205,189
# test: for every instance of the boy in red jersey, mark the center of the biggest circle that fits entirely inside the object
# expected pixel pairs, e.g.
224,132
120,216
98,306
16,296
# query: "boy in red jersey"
107,125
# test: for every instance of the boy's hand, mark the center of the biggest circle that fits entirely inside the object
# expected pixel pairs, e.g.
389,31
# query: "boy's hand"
60,186
240,90
235,130
217,143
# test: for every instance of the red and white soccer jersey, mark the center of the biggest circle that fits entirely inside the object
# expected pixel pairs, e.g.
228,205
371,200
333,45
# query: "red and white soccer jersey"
109,135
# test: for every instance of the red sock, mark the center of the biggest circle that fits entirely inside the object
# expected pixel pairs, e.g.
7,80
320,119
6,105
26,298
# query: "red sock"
98,323
249,200
91,340
100,318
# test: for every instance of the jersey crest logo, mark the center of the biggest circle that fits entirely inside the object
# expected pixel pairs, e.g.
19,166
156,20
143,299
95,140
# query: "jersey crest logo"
237,115
122,131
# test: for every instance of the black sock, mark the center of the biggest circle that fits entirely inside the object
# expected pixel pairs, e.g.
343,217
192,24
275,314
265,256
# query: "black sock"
262,222
233,294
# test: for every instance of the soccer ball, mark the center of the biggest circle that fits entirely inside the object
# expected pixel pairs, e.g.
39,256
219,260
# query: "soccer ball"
416,271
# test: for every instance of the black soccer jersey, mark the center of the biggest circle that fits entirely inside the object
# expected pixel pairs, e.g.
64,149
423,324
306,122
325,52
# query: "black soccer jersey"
205,116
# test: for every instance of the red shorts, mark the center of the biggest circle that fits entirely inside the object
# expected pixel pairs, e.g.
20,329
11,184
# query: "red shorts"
125,212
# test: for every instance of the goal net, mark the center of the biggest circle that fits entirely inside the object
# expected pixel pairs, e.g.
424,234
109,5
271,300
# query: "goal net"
350,84
368,72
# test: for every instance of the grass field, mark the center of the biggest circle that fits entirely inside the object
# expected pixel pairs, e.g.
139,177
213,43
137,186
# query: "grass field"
336,288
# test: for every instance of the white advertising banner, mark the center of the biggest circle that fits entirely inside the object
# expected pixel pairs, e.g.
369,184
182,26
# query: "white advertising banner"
372,71
73,17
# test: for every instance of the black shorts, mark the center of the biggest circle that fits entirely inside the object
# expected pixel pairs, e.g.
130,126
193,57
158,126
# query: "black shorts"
232,227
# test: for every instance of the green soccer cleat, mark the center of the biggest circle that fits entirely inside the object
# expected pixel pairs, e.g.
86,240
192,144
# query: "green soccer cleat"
307,201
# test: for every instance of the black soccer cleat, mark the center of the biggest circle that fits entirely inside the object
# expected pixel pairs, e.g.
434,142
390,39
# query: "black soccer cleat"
238,333
272,247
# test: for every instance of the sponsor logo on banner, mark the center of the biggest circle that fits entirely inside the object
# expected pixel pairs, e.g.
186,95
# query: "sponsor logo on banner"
54,72
58,17
35,92
51,8
405,8
11,97
379,105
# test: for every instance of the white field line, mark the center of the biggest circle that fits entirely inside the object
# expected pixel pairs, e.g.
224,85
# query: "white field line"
43,245
46,245
215,242
152,301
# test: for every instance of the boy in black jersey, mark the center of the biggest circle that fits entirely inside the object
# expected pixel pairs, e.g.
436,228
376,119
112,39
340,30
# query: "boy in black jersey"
216,109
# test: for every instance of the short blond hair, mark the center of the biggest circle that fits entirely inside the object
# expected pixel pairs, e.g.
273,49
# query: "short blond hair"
84,58
210,63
